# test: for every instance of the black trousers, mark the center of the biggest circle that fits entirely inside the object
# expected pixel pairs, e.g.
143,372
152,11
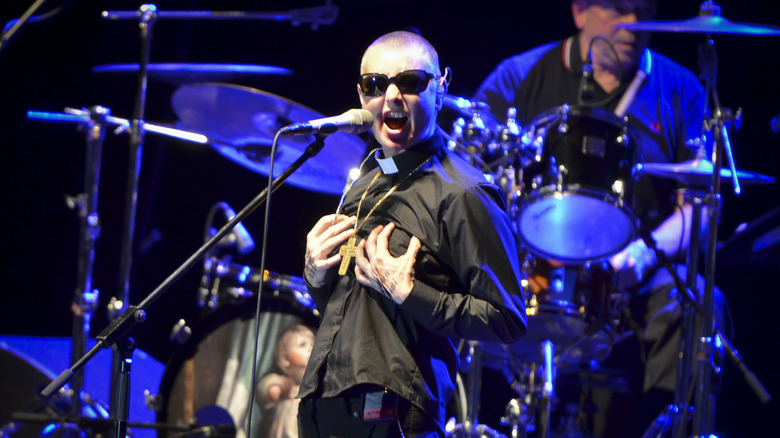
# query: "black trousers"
341,417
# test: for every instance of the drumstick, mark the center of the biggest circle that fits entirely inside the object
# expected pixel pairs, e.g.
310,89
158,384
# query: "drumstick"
630,94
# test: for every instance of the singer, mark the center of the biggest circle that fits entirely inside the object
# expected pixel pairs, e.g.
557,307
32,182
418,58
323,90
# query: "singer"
421,256
665,106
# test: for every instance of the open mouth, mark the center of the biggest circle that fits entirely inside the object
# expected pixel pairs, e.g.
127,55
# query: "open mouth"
396,120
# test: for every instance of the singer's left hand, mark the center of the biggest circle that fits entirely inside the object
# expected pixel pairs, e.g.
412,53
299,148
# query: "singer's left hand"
376,268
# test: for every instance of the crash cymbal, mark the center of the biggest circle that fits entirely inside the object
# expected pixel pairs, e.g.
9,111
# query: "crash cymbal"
702,24
241,123
699,173
185,73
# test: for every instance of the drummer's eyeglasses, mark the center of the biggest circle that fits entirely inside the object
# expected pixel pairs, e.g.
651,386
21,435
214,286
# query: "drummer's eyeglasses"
408,82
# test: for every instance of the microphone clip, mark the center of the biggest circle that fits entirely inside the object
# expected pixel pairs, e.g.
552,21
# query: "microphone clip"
587,88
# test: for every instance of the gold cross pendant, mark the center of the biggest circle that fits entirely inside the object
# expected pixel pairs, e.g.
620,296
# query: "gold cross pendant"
347,251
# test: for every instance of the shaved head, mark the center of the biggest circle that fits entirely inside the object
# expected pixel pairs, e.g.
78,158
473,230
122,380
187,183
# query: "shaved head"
404,41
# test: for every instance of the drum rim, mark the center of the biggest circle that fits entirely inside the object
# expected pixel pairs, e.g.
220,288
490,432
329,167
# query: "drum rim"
208,325
546,117
628,213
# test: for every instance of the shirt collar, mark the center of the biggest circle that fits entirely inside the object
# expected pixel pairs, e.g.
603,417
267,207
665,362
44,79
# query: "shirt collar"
409,159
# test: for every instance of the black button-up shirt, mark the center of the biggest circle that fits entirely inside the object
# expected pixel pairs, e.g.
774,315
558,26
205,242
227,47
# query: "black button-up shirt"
467,284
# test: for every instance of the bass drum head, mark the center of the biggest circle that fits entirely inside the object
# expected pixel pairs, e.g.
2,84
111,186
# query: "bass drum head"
214,366
19,389
574,227
22,380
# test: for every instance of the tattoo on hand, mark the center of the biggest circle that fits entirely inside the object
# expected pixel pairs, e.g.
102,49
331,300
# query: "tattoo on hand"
387,284
309,270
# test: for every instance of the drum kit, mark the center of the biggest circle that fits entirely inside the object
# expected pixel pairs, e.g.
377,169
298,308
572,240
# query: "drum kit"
571,171
553,178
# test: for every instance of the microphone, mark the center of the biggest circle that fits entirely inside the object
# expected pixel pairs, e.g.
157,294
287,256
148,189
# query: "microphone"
354,121
586,91
239,234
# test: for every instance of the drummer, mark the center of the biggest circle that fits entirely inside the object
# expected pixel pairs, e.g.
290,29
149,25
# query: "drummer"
666,110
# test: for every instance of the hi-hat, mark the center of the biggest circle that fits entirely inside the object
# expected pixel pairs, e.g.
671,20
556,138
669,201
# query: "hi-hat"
184,73
699,173
714,24
241,122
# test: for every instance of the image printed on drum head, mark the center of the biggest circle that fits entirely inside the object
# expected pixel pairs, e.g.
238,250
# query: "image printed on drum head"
277,390
208,380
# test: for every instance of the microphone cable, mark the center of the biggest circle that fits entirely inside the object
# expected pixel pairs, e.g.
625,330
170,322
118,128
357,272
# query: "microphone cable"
263,246
610,96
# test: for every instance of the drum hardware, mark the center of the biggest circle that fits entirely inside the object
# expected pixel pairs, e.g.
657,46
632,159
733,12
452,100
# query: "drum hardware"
471,426
233,283
534,383
708,22
93,121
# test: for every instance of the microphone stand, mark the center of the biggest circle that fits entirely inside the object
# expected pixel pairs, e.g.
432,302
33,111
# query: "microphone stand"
118,331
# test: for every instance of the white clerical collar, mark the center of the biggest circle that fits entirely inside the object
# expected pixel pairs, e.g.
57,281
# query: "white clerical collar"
386,164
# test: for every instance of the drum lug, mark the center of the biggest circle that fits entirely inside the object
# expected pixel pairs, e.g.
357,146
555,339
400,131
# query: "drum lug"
562,173
153,402
617,188
180,332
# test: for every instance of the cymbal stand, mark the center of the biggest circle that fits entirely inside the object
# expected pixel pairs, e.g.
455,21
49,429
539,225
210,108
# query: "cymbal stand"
534,406
470,426
85,298
704,416
122,357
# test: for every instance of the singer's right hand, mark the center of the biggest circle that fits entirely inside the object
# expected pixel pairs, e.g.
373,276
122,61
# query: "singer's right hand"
328,233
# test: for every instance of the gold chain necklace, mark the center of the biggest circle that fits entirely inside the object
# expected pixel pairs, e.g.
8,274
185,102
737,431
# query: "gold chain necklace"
349,249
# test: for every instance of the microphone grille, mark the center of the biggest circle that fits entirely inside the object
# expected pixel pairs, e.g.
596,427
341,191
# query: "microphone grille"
362,118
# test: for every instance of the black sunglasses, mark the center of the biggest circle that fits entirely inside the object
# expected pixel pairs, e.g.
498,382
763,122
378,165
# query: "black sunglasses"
408,82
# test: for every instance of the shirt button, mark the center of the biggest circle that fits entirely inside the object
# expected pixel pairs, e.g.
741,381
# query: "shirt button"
355,414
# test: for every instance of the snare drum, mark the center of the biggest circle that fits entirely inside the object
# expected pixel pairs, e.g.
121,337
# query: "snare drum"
574,202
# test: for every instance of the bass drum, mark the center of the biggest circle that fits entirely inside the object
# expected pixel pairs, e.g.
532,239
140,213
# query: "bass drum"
211,371
574,201
20,385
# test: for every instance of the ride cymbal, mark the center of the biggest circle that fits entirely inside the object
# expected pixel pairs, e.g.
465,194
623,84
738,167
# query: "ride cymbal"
702,24
179,73
241,123
699,173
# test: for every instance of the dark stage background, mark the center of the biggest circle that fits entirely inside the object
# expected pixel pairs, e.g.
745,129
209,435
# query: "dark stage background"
47,66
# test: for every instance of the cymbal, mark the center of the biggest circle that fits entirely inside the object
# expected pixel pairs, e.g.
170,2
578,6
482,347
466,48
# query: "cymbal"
241,123
702,24
699,173
184,73
463,106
